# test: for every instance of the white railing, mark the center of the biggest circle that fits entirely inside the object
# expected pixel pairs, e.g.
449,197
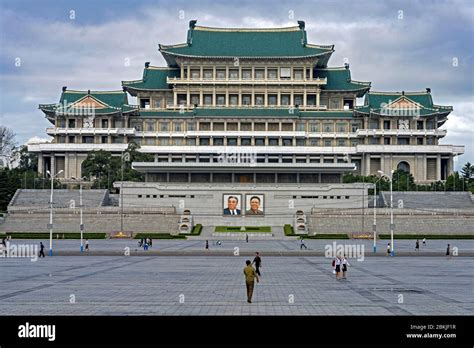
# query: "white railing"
200,80
407,132
91,131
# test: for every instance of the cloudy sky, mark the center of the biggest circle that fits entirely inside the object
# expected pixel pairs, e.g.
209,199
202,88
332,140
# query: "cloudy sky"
90,44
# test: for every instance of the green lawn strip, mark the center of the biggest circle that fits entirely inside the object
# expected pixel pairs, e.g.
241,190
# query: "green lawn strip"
158,236
427,236
328,236
196,231
248,229
65,235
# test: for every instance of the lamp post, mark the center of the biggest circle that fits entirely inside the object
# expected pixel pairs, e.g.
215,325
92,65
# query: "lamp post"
390,178
51,212
375,216
81,226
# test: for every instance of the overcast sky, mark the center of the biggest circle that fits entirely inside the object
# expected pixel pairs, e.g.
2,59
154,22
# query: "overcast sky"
91,44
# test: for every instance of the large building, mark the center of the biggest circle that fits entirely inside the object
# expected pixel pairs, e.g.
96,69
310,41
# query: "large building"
250,108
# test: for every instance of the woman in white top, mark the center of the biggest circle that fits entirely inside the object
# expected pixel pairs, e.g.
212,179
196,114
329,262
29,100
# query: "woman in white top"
338,267
344,263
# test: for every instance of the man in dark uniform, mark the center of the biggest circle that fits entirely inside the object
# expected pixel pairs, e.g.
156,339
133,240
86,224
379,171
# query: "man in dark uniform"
258,262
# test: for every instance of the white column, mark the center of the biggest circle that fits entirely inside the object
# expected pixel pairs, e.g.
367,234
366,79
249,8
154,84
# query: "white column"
318,96
438,167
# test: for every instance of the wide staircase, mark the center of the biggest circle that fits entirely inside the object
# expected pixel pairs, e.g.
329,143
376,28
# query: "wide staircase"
429,200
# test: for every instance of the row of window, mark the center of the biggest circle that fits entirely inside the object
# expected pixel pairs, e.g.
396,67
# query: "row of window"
248,100
204,141
284,73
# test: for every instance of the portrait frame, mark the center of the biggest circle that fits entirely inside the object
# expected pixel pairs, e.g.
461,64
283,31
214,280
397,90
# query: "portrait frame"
248,206
225,205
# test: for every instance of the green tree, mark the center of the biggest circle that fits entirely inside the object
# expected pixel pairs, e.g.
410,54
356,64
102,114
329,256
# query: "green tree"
455,183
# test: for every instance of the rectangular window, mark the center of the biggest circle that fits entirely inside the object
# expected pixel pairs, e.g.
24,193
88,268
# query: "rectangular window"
314,142
178,127
386,124
232,126
204,126
419,141
298,74
374,141
71,123
341,128
218,141
191,126
234,74
150,126
300,127
163,141
88,140
164,127
274,127
232,141
104,140
311,100
182,99
246,141
285,99
246,98
287,141
233,99
335,104
355,127
246,126
272,99
137,126
259,98
272,74
327,142
260,127
194,99
220,74
218,126
285,73
348,104
150,141
403,141
208,99
157,103
246,74
208,74
145,103
259,74
298,99
220,99
169,101
328,127
314,127
341,142
260,141
191,142
195,73
300,142
386,141
273,142
204,141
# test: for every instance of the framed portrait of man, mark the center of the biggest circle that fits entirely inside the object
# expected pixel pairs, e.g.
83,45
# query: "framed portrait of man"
254,204
232,203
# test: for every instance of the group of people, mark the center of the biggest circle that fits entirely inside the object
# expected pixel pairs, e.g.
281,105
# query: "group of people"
417,244
145,243
339,265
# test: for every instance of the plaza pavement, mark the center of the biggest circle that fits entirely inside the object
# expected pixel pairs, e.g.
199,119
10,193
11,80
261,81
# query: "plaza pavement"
214,285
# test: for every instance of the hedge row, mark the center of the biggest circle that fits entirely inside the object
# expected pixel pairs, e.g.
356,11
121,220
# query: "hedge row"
263,229
158,236
66,235
427,236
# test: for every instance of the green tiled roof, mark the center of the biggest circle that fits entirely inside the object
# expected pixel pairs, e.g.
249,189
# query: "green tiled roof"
246,112
375,102
245,43
339,79
113,101
154,78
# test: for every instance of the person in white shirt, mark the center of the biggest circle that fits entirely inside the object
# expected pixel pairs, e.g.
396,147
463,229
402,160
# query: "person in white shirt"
338,267
344,263
388,249
424,241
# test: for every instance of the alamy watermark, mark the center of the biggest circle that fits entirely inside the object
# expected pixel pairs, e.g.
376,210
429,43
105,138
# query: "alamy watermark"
236,156
19,250
352,251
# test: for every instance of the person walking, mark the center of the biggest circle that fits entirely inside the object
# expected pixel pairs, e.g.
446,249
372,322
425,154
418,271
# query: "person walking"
151,242
344,263
417,245
87,244
424,241
338,267
207,244
258,263
388,249
302,244
246,238
448,251
41,253
250,277
4,247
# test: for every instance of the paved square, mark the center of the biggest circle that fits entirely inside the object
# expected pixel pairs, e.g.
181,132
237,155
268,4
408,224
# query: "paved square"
214,285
